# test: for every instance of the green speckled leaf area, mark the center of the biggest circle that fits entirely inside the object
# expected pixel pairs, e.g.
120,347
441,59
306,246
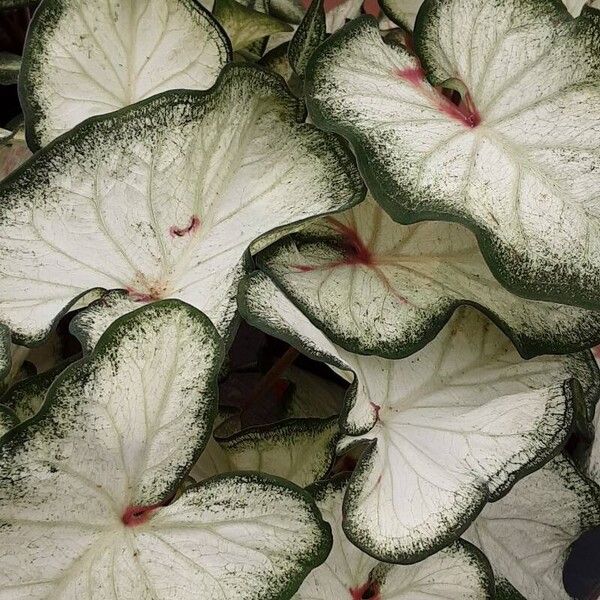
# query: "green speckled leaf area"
8,420
146,200
516,161
527,534
449,428
85,508
86,58
458,572
377,287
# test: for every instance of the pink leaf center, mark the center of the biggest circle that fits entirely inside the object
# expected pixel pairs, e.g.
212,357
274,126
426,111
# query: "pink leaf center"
465,112
138,515
367,591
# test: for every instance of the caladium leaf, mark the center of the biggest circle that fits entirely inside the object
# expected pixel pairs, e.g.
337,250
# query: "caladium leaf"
576,6
524,181
26,397
86,482
10,65
402,12
152,208
299,450
310,33
449,428
8,420
244,25
457,572
527,535
377,287
89,58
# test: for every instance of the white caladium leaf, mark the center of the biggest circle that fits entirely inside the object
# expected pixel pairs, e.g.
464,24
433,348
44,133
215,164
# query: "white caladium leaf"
8,420
152,207
402,12
86,484
515,161
377,287
527,534
576,6
299,450
449,428
337,15
84,58
459,571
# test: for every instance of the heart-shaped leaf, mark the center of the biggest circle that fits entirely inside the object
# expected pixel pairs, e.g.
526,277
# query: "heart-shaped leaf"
527,535
169,196
84,504
457,572
376,287
299,450
516,160
88,58
449,428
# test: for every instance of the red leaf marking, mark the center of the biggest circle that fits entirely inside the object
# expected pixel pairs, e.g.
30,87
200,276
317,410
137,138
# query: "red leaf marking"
367,591
141,296
193,226
466,112
138,515
356,252
376,408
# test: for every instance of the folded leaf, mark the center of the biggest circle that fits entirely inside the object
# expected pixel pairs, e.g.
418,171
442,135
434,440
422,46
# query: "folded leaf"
456,572
449,428
171,193
299,450
376,287
244,25
86,58
84,507
310,33
515,160
527,535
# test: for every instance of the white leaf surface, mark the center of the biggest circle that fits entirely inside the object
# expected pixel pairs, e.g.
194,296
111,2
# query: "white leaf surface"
527,534
377,287
516,161
89,57
299,450
456,572
84,507
450,427
167,200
